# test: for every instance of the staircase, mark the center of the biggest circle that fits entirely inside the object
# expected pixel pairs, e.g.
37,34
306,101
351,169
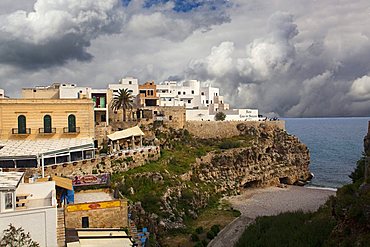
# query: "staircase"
61,233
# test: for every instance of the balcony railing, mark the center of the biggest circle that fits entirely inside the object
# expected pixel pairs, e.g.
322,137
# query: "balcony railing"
26,131
71,130
47,131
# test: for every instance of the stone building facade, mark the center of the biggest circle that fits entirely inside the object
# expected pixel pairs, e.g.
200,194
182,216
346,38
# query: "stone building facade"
33,119
102,214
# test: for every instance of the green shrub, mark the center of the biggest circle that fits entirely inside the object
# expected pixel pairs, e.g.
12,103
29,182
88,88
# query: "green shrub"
199,244
215,229
199,230
229,144
194,237
288,229
220,116
204,242
210,235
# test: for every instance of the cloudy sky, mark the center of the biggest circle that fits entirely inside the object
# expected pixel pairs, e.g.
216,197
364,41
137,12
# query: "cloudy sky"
291,58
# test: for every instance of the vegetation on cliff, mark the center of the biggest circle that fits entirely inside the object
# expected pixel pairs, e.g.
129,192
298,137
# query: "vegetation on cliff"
170,199
343,221
173,194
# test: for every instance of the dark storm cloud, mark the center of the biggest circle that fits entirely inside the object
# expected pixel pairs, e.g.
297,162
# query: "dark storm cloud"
279,74
55,31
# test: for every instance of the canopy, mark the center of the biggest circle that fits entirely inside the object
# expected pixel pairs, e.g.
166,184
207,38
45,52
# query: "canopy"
134,131
65,183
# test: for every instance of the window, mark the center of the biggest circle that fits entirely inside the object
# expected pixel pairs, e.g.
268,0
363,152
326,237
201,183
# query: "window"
183,93
71,123
189,101
21,124
202,93
192,91
170,118
103,118
207,101
9,200
47,124
130,82
178,92
85,222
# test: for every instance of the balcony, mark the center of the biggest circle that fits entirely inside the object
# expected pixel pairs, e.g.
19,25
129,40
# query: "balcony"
48,131
16,131
75,130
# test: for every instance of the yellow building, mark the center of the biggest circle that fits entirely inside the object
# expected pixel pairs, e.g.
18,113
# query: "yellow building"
41,92
35,132
46,118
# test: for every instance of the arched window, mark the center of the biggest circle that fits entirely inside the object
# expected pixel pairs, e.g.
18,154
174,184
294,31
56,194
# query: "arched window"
22,124
71,123
47,124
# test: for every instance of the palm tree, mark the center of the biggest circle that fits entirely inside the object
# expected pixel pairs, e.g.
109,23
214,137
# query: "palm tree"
123,100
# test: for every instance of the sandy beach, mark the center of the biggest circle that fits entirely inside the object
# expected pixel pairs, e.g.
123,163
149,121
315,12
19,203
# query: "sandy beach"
268,201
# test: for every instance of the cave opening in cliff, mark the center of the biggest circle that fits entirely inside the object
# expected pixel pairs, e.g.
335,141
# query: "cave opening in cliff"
284,180
252,184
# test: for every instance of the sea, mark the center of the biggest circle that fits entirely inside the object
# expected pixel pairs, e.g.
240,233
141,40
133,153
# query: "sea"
335,145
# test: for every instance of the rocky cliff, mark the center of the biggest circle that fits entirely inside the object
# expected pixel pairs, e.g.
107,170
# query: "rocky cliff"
367,141
275,157
258,155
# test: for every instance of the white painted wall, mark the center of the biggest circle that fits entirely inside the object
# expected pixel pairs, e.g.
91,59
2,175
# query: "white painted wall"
2,93
198,115
133,88
41,194
41,223
71,91
40,217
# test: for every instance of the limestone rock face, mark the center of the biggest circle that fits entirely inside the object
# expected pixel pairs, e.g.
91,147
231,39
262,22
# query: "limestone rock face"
367,141
275,158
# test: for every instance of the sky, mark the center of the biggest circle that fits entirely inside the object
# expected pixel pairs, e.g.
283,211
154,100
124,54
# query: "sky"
288,58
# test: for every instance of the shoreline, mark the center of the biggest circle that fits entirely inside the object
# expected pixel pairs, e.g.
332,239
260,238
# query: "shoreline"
269,201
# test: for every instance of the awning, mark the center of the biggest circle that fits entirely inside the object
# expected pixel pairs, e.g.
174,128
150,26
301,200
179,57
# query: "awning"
65,183
134,131
28,149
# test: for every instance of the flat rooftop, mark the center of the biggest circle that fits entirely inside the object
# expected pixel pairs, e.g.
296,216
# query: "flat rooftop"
91,196
10,180
14,148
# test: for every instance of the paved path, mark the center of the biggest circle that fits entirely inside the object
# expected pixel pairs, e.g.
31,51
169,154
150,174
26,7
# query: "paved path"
268,201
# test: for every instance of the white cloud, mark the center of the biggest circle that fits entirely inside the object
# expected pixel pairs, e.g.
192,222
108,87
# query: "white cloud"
360,88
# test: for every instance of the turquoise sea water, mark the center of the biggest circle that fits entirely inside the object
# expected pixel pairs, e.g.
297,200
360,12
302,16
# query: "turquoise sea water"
335,145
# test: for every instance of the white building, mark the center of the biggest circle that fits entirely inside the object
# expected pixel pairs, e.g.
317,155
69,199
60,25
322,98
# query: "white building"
71,91
30,206
201,102
2,93
130,83
189,94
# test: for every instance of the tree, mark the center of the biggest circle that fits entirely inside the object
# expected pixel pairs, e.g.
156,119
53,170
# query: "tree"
15,237
123,100
220,116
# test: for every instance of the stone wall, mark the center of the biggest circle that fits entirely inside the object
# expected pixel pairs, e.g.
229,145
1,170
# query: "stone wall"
118,162
225,129
108,217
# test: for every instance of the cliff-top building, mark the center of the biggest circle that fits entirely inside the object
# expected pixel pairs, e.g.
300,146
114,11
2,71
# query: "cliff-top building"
35,132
